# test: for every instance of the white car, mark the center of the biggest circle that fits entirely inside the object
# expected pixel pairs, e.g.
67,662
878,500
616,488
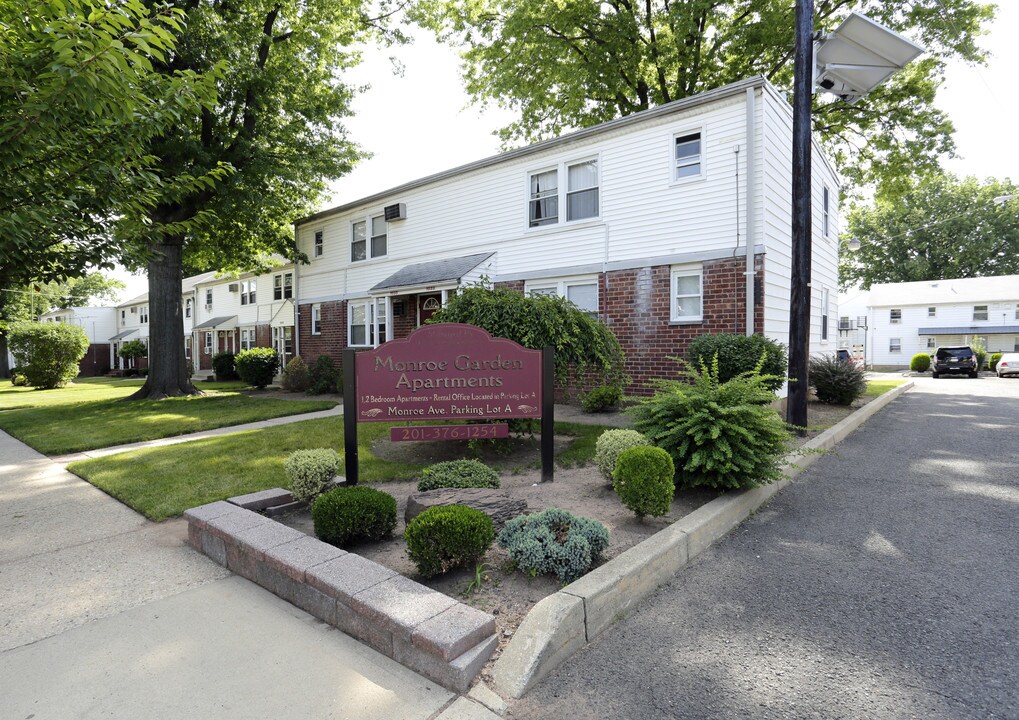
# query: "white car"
1008,365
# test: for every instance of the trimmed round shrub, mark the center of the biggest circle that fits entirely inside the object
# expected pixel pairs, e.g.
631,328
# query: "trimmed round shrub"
612,442
223,366
739,354
992,362
921,362
554,542
458,474
308,471
257,366
448,536
47,353
835,382
645,481
296,377
346,515
601,398
322,376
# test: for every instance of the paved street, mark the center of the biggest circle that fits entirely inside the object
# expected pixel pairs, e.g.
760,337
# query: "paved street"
884,583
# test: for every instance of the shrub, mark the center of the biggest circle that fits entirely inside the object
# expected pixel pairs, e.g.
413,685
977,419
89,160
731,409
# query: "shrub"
348,514
223,366
144,372
18,377
601,398
257,366
992,364
738,354
721,435
323,375
132,350
458,474
296,377
836,383
131,372
554,542
921,362
612,442
308,471
645,480
47,354
445,537
980,350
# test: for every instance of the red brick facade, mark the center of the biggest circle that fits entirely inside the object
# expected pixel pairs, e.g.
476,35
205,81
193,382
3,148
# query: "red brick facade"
96,361
333,336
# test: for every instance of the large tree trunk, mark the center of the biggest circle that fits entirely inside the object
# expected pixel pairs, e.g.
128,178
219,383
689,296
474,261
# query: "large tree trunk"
168,372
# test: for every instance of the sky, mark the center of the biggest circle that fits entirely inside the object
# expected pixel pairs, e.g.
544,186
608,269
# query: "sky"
421,122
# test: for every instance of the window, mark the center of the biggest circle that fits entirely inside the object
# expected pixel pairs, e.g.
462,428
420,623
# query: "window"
208,343
895,316
932,312
379,236
318,243
362,316
248,292
1015,346
824,313
143,314
187,347
844,323
123,315
931,343
187,307
358,245
688,156
316,319
247,338
979,312
686,294
543,207
582,190
826,211
1017,312
283,286
581,291
895,345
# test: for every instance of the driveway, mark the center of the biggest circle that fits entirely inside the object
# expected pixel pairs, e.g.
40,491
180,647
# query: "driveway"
883,583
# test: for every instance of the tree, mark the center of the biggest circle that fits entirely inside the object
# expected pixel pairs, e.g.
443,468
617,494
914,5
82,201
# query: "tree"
940,228
265,150
579,63
132,350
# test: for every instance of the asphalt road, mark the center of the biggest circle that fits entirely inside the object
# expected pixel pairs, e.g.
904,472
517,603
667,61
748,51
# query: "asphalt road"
884,583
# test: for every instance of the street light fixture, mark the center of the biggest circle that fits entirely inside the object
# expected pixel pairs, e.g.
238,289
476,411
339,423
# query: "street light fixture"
851,61
1002,199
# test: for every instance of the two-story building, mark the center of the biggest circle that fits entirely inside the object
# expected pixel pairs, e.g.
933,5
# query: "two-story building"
663,223
99,323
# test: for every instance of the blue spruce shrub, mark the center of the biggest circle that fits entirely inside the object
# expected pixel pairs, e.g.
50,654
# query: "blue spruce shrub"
554,542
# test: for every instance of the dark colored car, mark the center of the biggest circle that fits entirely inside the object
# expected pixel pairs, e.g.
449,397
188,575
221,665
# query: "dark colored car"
956,360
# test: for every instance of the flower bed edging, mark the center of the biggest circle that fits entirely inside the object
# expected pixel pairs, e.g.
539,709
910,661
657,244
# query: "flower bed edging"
562,623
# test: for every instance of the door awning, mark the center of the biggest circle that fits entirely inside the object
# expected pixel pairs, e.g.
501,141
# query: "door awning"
430,275
123,334
227,322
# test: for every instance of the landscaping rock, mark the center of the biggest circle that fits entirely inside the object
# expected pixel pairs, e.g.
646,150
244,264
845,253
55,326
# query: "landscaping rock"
496,504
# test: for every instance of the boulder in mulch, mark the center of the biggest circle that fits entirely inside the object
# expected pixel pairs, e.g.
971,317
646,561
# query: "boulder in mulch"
497,504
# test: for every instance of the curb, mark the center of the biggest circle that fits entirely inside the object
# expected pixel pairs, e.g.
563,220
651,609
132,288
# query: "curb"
564,622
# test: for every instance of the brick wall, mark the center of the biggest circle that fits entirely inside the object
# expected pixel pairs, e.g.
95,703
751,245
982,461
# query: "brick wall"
333,338
263,336
96,361
408,322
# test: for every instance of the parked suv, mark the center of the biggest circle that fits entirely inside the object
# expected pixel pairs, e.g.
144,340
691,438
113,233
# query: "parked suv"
959,359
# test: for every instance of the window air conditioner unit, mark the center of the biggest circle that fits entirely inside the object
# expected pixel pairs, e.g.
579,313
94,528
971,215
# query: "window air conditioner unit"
208,307
233,287
395,212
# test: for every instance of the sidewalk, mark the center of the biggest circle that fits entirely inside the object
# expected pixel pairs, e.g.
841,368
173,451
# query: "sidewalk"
105,614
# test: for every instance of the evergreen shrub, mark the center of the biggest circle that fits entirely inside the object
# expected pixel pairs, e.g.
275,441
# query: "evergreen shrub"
554,542
738,354
223,366
296,377
992,363
47,354
346,515
835,382
612,442
722,435
645,481
448,536
601,398
257,366
323,376
458,474
921,362
309,471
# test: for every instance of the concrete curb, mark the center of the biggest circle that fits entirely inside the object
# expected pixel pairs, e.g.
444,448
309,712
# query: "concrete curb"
562,623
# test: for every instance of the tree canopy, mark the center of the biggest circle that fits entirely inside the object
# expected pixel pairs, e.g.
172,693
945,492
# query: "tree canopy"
940,228
579,63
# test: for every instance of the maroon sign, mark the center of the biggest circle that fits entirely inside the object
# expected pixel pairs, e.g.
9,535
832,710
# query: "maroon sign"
424,433
448,371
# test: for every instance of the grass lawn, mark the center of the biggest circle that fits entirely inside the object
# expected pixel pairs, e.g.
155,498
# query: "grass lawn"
84,390
164,482
74,420
880,387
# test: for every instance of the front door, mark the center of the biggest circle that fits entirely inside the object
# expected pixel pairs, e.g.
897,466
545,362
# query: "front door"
283,342
427,305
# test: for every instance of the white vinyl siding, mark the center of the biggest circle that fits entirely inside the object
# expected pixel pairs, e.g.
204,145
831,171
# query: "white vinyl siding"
687,293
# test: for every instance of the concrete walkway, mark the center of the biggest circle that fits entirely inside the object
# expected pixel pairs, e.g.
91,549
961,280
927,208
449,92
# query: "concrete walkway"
105,614
881,584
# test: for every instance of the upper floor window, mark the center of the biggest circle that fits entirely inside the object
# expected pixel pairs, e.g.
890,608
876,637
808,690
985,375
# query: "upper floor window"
248,291
687,156
143,314
318,243
187,307
844,323
571,185
826,211
895,316
360,247
979,312
932,312
581,291
316,319
283,286
543,207
380,235
208,299
123,315
687,293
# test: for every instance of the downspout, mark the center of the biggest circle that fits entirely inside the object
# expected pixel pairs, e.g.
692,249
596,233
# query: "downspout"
750,183
296,299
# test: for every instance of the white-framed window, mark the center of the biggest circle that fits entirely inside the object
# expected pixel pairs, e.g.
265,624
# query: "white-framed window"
362,318
188,307
582,291
979,312
826,211
283,286
894,345
844,323
543,203
319,244
208,343
686,293
931,343
365,247
1017,311
247,338
687,148
582,190
208,299
895,316
316,319
932,311
358,241
825,298
573,185
123,315
248,291
380,236
187,347
143,314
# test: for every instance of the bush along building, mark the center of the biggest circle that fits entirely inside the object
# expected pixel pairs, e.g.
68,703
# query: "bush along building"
644,221
98,323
